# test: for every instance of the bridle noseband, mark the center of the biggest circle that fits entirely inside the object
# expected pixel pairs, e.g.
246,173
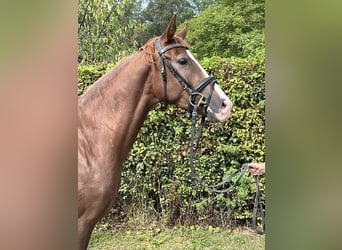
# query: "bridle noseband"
192,92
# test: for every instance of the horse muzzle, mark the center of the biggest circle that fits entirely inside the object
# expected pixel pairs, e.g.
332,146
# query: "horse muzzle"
220,106
223,114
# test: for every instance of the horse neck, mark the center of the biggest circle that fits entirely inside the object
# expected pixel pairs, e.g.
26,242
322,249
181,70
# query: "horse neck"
117,105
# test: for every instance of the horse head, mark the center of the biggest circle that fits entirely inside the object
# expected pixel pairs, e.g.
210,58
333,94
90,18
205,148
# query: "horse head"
185,83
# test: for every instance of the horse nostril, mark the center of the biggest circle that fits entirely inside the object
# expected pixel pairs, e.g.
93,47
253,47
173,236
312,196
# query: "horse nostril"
224,111
226,106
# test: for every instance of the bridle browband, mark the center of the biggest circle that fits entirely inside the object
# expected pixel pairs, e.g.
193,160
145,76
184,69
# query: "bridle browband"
193,106
193,92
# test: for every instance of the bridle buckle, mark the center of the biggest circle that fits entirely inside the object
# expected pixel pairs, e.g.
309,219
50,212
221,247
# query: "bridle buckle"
192,99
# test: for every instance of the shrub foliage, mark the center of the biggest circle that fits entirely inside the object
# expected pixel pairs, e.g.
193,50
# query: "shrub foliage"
156,178
229,28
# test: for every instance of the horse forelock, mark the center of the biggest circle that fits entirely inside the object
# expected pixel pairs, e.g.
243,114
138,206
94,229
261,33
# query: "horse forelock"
182,42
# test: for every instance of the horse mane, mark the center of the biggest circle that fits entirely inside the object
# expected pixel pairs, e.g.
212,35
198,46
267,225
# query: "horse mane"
149,48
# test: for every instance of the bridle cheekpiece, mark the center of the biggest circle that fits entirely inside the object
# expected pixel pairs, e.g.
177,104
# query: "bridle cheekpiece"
194,93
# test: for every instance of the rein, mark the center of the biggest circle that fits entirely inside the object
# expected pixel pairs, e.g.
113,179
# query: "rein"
195,93
215,188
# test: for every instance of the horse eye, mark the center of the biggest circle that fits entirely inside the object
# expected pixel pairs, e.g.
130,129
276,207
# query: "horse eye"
183,61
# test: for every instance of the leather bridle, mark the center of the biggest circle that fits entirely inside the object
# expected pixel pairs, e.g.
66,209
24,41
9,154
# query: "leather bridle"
194,93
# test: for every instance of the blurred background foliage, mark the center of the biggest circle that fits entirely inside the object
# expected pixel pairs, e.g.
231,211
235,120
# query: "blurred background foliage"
228,38
109,30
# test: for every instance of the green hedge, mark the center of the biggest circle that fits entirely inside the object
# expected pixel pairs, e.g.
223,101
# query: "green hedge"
156,176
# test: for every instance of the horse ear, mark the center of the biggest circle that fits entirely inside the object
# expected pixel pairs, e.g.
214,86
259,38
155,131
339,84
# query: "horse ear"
170,30
184,31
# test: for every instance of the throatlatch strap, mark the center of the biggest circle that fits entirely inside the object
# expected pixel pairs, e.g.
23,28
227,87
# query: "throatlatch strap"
163,73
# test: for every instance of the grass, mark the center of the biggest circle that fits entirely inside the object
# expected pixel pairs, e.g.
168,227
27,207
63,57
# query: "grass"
187,238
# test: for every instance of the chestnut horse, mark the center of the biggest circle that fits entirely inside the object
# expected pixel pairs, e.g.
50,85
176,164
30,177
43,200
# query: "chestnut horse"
112,111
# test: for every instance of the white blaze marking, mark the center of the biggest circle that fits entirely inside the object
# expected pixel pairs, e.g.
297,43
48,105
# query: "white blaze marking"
217,88
220,92
197,63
